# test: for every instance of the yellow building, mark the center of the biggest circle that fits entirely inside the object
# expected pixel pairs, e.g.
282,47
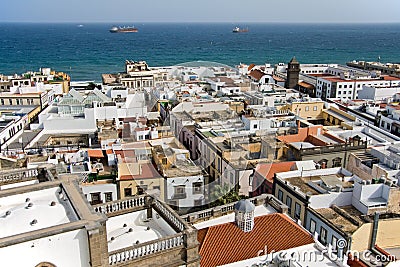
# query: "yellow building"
309,110
137,178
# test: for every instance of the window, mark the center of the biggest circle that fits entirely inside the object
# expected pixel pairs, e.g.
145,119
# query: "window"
337,162
164,161
231,178
95,198
307,108
197,188
289,203
108,196
141,189
280,195
312,226
315,108
345,86
179,192
156,187
334,243
322,236
255,126
128,192
297,210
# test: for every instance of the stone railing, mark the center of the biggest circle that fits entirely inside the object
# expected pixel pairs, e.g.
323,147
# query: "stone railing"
169,215
121,205
228,208
18,175
148,248
332,148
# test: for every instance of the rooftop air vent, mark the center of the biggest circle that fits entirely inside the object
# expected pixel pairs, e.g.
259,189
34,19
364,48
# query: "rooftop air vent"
33,222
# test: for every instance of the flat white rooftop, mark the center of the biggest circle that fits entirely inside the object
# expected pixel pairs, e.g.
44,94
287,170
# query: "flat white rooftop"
300,145
34,210
259,211
125,230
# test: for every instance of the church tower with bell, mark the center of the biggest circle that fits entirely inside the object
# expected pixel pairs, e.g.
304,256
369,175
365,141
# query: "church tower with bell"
292,74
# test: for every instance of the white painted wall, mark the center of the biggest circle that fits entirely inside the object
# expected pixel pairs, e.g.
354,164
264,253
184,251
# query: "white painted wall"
190,197
67,124
68,249
327,200
102,188
244,182
13,185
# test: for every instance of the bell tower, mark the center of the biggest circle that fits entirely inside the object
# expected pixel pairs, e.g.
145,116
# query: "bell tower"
292,72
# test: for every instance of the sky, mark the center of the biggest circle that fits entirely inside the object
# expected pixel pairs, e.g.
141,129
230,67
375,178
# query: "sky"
280,11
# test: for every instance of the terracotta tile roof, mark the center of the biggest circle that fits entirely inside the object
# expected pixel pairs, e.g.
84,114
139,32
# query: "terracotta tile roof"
109,152
251,66
95,153
396,107
306,85
226,243
256,74
268,170
148,171
278,79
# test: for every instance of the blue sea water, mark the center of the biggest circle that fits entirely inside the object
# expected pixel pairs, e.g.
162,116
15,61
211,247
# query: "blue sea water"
86,52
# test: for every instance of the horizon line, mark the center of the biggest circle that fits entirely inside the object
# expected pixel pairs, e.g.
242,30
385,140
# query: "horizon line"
202,22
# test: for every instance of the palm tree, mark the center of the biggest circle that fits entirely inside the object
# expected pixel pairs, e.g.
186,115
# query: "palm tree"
222,195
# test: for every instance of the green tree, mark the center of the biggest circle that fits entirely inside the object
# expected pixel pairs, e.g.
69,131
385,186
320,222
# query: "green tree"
222,195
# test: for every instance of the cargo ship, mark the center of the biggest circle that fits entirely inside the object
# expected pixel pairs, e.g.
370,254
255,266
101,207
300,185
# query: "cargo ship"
116,29
237,29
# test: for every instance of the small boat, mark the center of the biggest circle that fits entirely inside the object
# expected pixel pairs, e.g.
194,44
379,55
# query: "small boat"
116,29
237,29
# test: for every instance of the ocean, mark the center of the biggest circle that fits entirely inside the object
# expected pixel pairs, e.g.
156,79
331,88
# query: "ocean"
88,51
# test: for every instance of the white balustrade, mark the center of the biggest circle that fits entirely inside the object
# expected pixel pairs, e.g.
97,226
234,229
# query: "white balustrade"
147,248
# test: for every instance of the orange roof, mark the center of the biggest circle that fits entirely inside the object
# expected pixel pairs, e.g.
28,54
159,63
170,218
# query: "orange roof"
109,152
278,79
226,243
306,85
148,171
251,66
256,74
268,170
95,153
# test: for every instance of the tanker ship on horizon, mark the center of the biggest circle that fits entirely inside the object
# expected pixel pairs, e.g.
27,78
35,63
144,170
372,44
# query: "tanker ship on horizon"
116,29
